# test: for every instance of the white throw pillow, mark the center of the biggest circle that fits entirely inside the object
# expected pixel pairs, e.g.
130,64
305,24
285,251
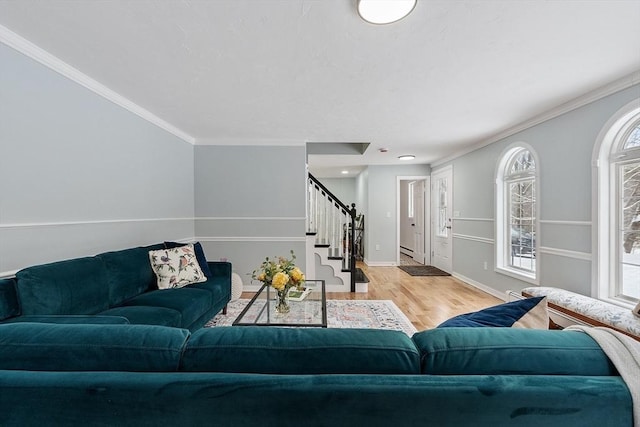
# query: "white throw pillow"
176,267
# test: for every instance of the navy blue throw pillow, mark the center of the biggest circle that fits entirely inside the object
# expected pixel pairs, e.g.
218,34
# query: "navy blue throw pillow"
527,313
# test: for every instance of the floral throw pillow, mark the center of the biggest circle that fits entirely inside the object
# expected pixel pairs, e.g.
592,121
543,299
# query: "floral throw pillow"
176,267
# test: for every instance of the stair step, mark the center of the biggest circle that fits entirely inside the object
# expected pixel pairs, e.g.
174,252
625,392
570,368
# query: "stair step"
311,233
322,246
336,257
360,276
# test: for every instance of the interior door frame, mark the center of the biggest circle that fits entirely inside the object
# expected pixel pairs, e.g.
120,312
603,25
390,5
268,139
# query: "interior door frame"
427,214
449,171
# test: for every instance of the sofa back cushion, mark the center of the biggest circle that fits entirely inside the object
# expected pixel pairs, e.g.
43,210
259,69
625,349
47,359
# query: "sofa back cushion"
503,351
8,299
55,347
300,351
129,273
77,286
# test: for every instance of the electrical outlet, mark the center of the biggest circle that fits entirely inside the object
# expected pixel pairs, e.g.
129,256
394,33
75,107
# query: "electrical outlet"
486,265
377,247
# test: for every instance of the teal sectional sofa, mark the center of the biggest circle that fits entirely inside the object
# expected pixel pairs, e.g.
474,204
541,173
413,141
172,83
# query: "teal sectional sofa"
111,288
141,375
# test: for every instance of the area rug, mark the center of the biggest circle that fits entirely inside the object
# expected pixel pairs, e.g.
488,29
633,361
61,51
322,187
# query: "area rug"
367,314
423,270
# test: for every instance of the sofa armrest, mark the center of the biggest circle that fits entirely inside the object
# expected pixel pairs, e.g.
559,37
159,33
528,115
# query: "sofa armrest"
220,268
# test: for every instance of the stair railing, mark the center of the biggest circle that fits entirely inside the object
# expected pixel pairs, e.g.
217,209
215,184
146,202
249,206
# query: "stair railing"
333,224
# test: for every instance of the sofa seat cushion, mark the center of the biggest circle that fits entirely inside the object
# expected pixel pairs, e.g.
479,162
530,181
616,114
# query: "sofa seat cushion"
72,319
8,299
505,351
52,347
213,287
130,273
191,303
77,286
267,350
147,315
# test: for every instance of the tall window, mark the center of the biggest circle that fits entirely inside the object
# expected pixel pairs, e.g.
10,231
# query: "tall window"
616,267
625,165
410,199
516,217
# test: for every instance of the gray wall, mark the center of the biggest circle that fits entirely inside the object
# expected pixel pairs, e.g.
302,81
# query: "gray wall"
343,188
381,208
80,175
250,204
564,146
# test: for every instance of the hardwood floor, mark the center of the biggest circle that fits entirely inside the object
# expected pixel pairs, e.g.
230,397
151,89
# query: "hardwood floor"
426,300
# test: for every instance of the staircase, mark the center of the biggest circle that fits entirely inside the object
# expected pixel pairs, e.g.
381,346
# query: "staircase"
330,253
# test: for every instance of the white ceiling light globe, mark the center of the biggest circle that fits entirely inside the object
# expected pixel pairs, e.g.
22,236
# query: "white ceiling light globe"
385,11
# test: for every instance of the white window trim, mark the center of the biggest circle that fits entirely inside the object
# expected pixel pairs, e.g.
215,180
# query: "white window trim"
603,178
502,239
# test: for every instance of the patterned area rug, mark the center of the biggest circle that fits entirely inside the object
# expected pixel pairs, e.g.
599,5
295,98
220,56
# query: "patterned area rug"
368,314
423,270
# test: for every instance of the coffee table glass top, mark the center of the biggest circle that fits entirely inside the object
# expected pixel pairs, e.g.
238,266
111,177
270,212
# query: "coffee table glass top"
310,311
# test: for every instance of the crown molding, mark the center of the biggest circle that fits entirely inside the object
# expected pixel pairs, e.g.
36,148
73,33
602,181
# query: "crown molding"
38,54
599,93
267,142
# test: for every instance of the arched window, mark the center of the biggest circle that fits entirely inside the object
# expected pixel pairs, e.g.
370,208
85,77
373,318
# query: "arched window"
619,235
517,213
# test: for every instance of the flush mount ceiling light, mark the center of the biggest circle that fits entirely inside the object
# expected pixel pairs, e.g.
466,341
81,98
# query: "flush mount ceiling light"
407,157
344,172
384,11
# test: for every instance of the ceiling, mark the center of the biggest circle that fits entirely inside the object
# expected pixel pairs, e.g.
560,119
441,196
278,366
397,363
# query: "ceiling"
449,76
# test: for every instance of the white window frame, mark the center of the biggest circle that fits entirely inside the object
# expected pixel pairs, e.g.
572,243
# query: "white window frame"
502,215
607,156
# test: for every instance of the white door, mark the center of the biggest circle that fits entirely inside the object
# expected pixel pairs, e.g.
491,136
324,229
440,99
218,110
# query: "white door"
418,222
442,205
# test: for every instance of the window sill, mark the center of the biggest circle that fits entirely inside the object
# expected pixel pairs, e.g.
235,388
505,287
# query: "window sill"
518,274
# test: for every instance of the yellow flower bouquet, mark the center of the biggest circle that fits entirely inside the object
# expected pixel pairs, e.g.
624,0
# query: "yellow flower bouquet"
281,274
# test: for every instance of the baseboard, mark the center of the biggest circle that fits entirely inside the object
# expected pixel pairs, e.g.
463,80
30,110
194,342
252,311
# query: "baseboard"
482,287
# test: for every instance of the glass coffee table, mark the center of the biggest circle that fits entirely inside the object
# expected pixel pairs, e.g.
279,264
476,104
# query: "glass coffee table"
311,311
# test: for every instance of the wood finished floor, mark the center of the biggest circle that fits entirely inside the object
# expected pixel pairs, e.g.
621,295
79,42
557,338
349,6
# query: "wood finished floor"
426,301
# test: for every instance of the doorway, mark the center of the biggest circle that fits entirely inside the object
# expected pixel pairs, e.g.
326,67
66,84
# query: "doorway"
413,213
442,226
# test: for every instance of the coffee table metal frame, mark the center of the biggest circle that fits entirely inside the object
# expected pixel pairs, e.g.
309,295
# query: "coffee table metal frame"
267,315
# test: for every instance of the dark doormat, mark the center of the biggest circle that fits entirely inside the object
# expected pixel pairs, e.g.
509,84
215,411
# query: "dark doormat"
423,270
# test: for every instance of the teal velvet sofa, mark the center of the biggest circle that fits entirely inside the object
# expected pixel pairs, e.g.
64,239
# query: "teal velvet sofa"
111,288
141,375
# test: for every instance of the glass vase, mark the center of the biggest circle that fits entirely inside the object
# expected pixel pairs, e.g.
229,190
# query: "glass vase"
282,302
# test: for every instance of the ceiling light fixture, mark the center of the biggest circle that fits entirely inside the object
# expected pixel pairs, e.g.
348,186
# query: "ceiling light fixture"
385,11
344,172
407,157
